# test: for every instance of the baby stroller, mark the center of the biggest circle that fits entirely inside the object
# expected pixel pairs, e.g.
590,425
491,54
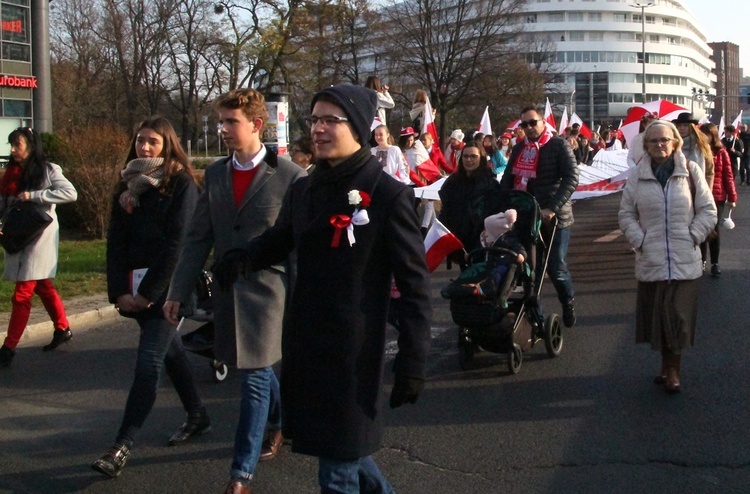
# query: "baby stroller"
201,340
503,315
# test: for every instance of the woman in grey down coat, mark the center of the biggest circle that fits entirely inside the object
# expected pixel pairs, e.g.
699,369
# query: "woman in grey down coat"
29,177
665,213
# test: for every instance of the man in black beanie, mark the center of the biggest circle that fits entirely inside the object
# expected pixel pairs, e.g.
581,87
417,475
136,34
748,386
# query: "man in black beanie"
353,229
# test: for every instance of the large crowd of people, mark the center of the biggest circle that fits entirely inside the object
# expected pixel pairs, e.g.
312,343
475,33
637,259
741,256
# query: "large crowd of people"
340,212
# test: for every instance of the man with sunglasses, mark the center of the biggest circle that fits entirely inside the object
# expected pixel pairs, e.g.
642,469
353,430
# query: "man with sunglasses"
544,165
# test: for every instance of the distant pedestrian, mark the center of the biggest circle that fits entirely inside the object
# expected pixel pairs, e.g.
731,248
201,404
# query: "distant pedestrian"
152,206
30,177
385,101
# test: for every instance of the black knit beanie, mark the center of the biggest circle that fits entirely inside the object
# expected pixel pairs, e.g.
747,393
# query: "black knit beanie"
358,102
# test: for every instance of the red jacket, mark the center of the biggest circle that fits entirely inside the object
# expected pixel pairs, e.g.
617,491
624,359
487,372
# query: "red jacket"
723,189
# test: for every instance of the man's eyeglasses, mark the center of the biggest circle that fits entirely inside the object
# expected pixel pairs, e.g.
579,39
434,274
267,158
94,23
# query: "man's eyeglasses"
663,141
325,121
529,123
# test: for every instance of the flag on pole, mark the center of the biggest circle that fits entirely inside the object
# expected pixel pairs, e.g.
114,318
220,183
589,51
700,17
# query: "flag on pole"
438,243
585,131
428,125
376,122
563,121
484,126
737,124
549,117
722,124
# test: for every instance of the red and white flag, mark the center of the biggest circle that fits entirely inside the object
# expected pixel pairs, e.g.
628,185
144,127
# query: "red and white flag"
428,126
704,119
563,122
549,117
722,124
438,243
585,131
484,126
376,122
737,124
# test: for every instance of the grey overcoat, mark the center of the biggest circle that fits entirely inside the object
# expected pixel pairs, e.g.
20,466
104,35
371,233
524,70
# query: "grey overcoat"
38,261
247,320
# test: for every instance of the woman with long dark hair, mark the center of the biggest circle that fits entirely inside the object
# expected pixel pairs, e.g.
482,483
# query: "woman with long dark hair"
723,189
29,177
459,193
151,210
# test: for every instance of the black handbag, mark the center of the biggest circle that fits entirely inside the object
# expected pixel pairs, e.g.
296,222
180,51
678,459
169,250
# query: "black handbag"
22,224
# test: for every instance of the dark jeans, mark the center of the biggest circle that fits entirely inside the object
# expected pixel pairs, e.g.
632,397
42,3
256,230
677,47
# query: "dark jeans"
352,477
260,406
160,346
714,244
745,169
557,267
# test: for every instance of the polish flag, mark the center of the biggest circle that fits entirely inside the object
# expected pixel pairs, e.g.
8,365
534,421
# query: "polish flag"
428,126
585,131
722,124
704,119
376,122
737,123
549,117
438,243
563,121
484,126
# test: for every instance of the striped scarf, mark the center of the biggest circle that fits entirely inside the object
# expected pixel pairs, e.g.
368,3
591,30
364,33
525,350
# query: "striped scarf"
140,175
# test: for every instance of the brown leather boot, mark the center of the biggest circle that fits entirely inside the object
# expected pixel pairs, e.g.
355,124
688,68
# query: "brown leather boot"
661,378
672,385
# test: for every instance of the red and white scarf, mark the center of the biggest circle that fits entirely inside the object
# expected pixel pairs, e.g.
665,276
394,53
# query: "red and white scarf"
528,159
453,155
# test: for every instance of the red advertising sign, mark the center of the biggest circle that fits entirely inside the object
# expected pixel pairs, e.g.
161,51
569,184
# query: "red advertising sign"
16,81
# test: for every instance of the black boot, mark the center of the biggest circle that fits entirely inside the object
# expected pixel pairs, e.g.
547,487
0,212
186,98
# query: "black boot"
113,461
59,337
197,423
6,356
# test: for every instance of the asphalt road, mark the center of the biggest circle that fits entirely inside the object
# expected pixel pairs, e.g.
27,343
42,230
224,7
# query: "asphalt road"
588,421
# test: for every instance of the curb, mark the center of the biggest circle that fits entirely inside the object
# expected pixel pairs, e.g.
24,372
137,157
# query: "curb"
78,322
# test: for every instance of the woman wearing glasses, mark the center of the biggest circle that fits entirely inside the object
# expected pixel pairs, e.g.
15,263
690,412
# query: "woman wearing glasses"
29,177
665,213
472,179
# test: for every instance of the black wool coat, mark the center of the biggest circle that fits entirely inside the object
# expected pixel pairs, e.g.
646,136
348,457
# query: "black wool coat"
556,178
461,210
334,331
149,237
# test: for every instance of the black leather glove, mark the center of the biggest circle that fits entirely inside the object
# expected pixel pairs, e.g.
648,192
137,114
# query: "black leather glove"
229,267
406,390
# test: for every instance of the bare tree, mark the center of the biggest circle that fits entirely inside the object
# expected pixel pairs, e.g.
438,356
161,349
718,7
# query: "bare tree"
454,48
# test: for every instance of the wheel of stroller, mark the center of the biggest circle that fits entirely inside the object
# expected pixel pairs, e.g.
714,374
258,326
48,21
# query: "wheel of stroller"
515,358
553,335
465,350
220,371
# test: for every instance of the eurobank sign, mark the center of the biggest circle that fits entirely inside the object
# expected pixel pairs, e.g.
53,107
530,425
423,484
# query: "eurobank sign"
16,81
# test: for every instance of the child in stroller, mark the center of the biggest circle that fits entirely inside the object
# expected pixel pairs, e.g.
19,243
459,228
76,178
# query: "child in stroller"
495,300
485,277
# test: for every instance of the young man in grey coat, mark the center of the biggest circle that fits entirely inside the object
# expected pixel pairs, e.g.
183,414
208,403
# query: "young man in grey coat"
241,198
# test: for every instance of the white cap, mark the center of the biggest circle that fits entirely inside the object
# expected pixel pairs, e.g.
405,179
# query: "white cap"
457,135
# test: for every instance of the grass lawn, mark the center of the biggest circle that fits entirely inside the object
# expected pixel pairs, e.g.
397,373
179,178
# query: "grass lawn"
81,270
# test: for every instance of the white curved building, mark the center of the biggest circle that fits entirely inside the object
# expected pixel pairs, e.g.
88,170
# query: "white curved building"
600,41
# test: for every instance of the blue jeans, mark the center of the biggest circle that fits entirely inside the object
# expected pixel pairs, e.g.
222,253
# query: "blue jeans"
159,346
260,404
352,477
557,267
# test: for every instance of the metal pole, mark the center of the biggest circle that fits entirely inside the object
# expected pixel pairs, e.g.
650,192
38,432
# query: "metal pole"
643,52
591,98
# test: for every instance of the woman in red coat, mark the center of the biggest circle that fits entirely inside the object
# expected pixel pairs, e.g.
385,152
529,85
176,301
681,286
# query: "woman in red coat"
723,189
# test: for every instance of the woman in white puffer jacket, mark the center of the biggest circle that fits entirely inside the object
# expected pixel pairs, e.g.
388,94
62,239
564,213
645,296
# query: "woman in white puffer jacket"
666,212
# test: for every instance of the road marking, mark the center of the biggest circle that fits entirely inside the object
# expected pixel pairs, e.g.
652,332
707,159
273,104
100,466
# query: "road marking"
609,237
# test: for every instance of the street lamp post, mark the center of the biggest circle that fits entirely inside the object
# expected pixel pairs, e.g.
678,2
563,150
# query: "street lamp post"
643,7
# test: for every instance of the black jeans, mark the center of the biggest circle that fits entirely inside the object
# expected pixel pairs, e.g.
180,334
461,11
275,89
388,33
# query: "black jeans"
160,346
